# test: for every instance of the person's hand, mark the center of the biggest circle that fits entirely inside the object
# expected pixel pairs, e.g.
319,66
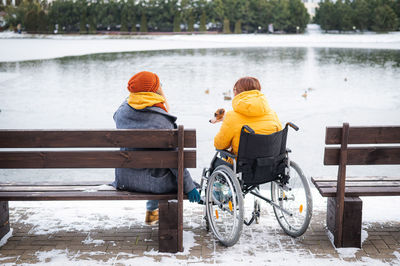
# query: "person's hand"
194,195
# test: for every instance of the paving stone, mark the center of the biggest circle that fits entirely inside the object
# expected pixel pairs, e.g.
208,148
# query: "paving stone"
370,249
28,257
78,248
396,235
23,247
9,259
316,249
377,233
62,245
385,251
395,246
207,251
46,248
361,254
379,244
99,249
389,240
41,243
8,246
373,237
10,252
196,253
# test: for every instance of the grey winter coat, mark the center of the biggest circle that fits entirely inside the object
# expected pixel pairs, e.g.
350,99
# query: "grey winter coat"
145,179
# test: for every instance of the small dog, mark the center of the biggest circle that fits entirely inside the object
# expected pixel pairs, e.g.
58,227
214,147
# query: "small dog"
218,116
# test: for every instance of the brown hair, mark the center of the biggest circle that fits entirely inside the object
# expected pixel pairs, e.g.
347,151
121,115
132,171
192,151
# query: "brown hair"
247,84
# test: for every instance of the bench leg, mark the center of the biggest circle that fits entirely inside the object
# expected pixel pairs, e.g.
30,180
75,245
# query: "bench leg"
352,219
4,219
168,226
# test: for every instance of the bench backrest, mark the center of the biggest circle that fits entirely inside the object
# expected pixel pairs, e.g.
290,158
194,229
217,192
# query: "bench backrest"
363,155
160,148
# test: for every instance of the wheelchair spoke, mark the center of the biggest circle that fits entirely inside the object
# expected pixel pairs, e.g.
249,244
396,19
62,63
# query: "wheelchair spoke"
224,205
295,199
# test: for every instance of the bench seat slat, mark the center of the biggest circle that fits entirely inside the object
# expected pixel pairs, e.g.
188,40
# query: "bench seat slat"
357,179
81,195
55,188
360,184
55,183
361,191
95,159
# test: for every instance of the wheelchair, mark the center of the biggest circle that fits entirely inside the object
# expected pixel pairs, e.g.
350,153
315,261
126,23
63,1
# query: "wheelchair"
261,159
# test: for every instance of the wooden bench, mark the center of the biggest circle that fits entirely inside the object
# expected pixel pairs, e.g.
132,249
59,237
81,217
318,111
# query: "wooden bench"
344,208
162,149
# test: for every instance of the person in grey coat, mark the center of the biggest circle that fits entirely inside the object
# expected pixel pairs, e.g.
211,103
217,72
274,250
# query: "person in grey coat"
146,108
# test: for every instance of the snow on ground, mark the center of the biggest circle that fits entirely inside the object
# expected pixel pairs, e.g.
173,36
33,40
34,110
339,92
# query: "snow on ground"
88,215
29,47
259,244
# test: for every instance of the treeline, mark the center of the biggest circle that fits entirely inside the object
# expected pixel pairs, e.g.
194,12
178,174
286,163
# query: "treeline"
375,15
228,16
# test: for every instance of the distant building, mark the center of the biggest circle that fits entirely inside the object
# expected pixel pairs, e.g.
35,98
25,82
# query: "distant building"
311,5
12,2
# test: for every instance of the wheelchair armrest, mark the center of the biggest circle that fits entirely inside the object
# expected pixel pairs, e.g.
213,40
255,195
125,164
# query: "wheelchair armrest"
227,154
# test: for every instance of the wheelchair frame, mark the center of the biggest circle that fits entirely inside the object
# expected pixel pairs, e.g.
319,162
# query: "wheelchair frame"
254,190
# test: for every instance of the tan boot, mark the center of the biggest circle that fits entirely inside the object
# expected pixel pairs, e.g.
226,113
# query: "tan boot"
151,217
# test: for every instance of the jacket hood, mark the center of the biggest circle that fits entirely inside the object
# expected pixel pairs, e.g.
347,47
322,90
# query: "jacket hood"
251,103
141,100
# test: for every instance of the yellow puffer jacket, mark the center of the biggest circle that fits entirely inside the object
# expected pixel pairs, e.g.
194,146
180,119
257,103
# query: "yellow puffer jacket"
249,108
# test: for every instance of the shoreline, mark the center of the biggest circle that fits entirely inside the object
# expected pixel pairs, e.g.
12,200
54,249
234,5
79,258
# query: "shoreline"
58,46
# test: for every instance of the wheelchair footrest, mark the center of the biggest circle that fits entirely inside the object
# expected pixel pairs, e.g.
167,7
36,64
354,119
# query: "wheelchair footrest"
255,215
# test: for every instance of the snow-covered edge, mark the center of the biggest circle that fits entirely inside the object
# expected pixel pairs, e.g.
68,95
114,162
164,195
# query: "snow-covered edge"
5,238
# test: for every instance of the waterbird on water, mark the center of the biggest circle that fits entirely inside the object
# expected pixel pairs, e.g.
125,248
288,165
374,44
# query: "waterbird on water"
304,95
227,95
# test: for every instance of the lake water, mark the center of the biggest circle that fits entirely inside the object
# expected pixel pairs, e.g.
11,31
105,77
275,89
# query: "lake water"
359,86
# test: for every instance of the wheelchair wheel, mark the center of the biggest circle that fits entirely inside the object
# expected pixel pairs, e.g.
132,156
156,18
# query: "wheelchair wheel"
296,199
224,205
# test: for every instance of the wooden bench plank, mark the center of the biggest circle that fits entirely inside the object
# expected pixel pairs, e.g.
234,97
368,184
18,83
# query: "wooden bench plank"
81,195
357,178
56,188
359,184
96,159
364,156
361,191
136,138
56,183
364,135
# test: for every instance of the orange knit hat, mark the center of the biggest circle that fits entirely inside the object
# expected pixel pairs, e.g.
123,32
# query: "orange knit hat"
144,82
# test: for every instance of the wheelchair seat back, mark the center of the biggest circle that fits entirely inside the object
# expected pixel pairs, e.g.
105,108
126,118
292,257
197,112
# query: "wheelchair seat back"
261,158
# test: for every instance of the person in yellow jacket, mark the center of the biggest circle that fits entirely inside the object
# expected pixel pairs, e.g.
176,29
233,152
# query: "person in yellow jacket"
250,107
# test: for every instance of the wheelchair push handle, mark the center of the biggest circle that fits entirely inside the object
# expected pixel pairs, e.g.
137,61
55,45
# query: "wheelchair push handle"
292,126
